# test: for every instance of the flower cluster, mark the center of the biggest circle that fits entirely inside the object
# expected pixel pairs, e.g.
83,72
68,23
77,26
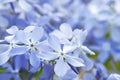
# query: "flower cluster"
63,52
59,40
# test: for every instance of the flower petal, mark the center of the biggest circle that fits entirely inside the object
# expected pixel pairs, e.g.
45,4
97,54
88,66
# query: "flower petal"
87,50
54,43
34,60
56,33
80,36
87,62
19,50
74,61
12,30
24,5
69,48
66,29
61,67
9,38
29,29
37,34
4,53
48,56
24,36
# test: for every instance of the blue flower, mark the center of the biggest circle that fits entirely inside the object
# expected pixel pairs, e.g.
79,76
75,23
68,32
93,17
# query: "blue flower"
29,43
74,40
61,56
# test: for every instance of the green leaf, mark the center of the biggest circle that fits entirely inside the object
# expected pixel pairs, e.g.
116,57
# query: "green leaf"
24,75
107,36
93,56
2,70
108,64
53,75
37,75
117,64
12,79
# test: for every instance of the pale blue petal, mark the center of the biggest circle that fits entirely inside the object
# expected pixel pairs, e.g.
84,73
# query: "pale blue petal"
37,34
61,67
49,56
80,36
69,48
84,48
24,5
34,60
44,46
12,30
66,30
29,29
74,61
87,62
19,50
56,33
4,53
54,43
65,41
24,36
9,38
